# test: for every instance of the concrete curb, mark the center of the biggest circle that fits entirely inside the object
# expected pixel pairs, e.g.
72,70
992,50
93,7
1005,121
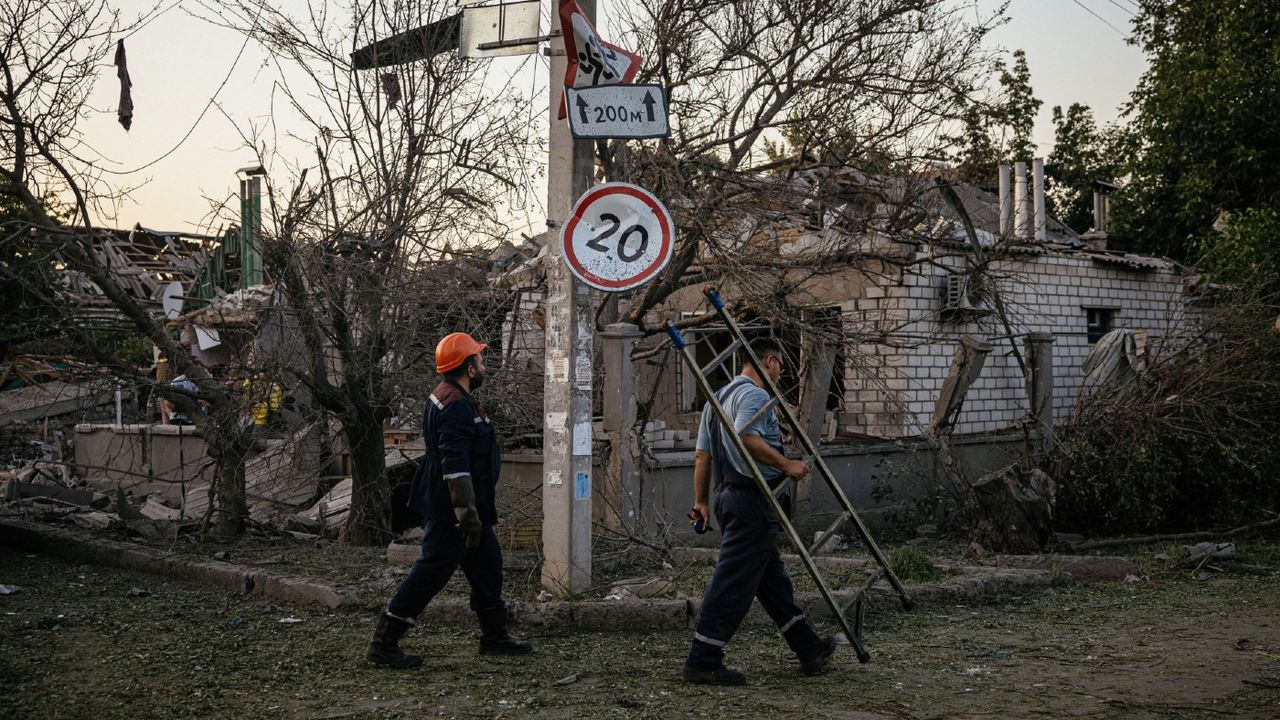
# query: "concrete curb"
232,578
632,614
1079,567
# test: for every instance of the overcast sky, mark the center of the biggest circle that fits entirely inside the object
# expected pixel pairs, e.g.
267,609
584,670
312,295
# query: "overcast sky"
178,62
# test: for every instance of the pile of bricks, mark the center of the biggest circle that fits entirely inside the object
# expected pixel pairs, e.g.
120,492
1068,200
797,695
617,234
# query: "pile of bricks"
659,438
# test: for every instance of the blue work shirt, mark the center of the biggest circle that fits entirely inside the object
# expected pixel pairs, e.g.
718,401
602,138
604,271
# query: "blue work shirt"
460,442
741,400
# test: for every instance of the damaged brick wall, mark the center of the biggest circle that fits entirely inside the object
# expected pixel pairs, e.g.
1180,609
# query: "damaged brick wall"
1045,293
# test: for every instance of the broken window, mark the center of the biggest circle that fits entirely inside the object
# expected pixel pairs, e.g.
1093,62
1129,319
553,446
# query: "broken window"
1099,322
828,326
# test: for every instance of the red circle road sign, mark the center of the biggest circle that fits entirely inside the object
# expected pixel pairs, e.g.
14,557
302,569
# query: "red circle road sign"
618,237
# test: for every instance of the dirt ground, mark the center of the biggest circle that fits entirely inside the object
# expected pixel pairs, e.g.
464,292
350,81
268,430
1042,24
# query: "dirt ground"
74,643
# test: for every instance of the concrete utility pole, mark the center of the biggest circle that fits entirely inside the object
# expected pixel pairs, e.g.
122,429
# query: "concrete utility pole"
566,436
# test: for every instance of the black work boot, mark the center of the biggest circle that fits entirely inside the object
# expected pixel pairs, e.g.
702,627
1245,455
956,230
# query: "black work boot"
385,648
718,675
494,639
818,663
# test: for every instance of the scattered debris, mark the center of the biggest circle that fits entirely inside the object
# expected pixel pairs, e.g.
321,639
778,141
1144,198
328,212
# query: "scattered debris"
1134,578
96,520
9,589
830,546
641,587
223,556
1215,552
124,508
567,680
329,514
154,509
285,476
402,553
290,620
138,593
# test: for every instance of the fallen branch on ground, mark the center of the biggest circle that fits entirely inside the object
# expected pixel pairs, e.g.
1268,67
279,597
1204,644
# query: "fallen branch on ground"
1176,537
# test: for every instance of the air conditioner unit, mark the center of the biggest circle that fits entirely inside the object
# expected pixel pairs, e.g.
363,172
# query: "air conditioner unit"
963,294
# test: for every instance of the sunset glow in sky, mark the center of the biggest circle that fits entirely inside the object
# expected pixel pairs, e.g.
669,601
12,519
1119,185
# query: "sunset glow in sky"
179,61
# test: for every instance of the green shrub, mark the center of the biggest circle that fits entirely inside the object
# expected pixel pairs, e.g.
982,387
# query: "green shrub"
1191,443
912,565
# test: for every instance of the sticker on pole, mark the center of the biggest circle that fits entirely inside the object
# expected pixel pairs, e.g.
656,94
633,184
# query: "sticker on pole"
618,237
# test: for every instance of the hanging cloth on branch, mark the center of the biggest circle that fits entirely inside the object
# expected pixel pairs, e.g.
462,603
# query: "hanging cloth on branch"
125,112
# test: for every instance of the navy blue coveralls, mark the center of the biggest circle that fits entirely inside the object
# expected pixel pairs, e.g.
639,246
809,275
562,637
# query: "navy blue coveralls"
460,441
750,565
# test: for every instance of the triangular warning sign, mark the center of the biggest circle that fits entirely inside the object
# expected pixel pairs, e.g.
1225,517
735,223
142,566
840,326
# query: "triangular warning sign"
592,60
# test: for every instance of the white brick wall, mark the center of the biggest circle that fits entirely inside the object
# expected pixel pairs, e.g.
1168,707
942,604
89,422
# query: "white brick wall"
1041,294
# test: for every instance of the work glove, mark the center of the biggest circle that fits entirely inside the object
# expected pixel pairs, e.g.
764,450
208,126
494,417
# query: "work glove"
463,497
469,525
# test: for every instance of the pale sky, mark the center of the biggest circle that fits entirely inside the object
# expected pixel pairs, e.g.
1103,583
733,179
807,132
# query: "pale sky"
178,62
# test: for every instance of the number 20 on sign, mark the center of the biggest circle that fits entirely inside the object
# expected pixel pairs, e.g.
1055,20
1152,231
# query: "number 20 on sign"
618,237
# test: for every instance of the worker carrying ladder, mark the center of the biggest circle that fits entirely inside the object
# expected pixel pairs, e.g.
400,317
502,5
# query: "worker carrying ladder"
772,495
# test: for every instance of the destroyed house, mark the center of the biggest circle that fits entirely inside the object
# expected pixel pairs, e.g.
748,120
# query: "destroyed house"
872,332
881,334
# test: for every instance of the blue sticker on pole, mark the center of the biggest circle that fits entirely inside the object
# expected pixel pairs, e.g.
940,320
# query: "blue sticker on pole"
582,486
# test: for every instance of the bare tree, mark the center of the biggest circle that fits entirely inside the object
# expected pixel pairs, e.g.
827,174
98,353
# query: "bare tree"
380,238
839,83
52,55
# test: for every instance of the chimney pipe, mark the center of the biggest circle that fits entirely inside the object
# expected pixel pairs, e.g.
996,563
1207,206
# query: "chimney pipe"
251,225
1021,203
1037,172
1006,203
1101,208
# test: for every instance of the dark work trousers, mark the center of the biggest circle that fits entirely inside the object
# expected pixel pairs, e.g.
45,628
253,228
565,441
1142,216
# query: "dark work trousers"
443,550
749,567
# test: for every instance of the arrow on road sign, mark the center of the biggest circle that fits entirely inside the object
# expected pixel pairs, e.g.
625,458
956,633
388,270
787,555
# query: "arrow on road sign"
619,111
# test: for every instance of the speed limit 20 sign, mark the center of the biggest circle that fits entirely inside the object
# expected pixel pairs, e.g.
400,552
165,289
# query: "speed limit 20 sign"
619,236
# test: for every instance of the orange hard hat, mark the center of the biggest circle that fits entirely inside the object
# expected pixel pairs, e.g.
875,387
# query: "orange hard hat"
454,350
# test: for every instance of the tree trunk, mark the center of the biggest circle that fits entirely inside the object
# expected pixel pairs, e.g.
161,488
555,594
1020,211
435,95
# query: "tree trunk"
1015,510
370,519
228,486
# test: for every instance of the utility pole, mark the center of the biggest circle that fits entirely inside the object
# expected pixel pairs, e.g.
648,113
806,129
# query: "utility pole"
566,436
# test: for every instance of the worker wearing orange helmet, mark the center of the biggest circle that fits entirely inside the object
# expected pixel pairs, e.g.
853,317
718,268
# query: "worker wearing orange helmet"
454,489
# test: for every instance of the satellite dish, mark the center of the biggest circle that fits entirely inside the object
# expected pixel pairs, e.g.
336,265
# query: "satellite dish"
171,300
